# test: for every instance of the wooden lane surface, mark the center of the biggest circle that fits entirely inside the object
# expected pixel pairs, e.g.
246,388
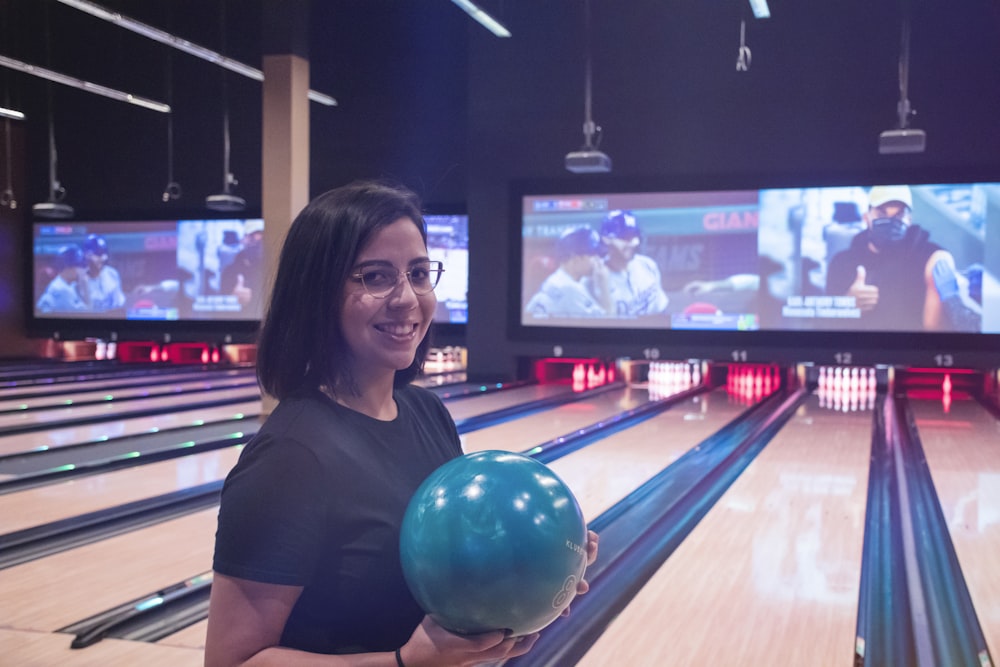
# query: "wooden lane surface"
44,649
477,404
520,434
962,449
63,588
32,507
44,504
136,393
109,409
66,587
606,471
770,576
603,472
559,421
130,381
98,575
72,435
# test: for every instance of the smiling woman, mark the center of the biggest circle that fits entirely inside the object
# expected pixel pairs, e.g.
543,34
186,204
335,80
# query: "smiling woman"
307,550
385,318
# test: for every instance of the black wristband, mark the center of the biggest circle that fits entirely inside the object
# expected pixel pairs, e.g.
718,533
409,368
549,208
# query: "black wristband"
399,659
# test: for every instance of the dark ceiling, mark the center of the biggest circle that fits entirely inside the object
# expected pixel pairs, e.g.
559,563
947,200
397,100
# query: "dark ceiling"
410,74
373,57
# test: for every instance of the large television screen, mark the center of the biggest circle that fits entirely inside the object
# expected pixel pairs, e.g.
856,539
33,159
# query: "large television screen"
913,258
151,271
448,242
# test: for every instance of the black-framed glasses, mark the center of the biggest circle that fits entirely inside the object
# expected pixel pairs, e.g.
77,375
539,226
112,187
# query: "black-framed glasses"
380,280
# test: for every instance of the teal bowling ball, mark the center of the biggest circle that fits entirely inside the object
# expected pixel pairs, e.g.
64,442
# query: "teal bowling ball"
493,541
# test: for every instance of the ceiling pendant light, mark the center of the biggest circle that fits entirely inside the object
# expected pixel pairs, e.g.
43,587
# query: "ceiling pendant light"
588,160
903,139
172,191
7,199
225,200
53,208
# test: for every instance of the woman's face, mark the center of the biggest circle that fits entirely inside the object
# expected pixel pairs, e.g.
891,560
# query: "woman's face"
383,333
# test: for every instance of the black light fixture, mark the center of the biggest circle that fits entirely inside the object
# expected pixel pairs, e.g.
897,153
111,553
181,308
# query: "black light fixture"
903,139
588,160
172,191
7,198
743,55
225,200
53,208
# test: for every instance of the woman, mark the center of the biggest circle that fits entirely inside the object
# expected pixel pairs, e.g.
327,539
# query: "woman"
307,550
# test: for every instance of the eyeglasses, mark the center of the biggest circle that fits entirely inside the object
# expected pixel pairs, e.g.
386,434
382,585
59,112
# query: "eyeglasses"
380,281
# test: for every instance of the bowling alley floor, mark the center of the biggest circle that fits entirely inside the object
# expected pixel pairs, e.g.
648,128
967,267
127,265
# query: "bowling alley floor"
770,575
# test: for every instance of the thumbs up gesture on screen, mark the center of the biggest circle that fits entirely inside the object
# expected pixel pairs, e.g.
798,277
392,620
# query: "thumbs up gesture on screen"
243,293
865,295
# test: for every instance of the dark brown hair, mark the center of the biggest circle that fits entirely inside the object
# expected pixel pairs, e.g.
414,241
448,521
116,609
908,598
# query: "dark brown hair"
300,344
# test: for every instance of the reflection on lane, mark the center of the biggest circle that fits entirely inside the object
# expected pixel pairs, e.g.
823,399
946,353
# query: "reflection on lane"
961,443
771,574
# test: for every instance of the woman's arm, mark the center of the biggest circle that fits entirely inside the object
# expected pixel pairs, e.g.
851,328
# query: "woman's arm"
246,618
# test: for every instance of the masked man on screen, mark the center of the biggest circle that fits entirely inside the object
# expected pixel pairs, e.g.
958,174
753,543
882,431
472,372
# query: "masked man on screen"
566,291
243,278
101,281
61,295
900,280
627,283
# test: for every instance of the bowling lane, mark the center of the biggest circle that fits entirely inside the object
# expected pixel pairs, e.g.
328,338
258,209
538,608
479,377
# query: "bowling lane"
44,504
44,649
71,435
40,505
40,417
197,386
477,404
770,576
606,471
57,590
139,562
461,408
129,381
519,434
112,374
962,449
601,473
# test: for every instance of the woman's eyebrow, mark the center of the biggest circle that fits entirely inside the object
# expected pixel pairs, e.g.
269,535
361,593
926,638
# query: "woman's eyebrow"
385,262
373,262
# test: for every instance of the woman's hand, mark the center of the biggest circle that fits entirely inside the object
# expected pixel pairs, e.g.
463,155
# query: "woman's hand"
593,541
431,645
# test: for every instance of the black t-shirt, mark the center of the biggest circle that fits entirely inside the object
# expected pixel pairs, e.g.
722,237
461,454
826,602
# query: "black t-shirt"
317,499
898,273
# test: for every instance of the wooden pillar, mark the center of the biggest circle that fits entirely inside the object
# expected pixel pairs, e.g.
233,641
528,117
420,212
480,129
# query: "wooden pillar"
285,142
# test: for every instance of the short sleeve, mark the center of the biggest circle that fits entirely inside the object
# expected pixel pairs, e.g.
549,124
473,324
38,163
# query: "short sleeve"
272,513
